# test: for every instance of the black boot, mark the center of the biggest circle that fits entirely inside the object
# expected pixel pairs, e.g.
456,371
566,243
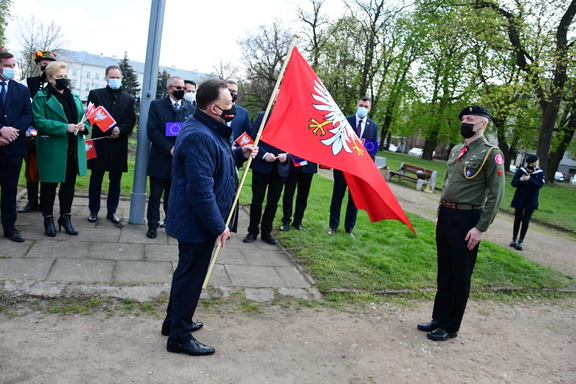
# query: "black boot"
32,204
519,245
513,243
64,221
49,228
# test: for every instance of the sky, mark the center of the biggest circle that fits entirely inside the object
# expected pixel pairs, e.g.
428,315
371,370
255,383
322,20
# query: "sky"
197,35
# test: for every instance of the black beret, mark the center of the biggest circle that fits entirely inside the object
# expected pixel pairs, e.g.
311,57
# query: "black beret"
531,159
476,110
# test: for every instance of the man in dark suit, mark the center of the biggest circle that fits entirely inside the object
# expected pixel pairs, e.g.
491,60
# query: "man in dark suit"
300,177
111,143
365,129
164,122
270,168
241,122
15,118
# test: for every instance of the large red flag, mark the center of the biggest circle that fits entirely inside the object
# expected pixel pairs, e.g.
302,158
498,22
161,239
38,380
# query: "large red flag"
307,122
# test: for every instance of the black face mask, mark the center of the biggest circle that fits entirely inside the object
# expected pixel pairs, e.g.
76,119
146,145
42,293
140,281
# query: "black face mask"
62,84
234,97
228,114
530,167
467,130
178,95
43,67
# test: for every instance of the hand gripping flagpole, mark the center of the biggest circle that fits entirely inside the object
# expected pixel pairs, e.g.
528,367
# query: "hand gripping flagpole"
247,166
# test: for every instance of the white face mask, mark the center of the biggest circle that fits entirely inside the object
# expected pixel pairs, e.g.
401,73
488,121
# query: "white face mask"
115,83
190,97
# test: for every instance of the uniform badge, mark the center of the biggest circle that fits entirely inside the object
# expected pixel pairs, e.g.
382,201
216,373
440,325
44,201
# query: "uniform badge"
499,159
499,173
468,172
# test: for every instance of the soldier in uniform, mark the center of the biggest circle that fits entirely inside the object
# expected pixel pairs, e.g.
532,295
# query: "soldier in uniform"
471,196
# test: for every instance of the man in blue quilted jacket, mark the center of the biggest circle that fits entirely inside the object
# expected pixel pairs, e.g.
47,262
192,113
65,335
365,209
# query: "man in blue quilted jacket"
204,181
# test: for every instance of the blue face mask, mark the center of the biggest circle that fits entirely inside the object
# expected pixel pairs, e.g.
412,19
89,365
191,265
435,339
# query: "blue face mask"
8,73
362,112
115,83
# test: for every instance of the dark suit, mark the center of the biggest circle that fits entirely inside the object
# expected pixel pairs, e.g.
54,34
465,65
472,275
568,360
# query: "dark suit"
162,111
301,178
16,113
241,123
370,132
265,176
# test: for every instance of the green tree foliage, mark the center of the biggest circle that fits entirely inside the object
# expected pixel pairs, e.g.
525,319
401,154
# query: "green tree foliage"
130,82
162,83
4,16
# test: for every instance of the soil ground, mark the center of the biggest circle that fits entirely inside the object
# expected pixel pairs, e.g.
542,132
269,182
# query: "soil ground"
520,341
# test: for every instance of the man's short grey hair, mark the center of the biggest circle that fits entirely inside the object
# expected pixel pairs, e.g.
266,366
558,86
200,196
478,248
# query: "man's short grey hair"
171,80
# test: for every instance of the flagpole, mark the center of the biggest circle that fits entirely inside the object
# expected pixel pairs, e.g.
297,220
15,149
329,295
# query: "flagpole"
247,166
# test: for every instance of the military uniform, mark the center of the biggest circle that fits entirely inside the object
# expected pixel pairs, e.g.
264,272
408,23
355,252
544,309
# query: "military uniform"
471,196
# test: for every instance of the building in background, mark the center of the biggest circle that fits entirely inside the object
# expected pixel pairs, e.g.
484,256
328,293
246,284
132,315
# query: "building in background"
87,71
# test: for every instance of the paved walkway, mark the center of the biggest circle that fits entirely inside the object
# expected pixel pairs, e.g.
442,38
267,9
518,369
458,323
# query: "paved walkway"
120,261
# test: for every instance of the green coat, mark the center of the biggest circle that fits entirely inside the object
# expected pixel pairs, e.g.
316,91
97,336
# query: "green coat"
52,140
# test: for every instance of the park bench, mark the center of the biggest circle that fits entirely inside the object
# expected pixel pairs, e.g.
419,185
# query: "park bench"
421,176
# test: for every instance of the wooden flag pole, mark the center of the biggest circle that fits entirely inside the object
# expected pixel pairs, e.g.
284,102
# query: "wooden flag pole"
247,166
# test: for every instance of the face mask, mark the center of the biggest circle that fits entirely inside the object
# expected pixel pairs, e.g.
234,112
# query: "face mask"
115,83
530,167
234,97
8,73
43,67
190,97
227,114
178,95
467,130
62,84
362,112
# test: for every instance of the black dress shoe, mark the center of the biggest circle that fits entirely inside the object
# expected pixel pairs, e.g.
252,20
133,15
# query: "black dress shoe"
441,335
151,233
195,326
268,238
250,237
285,227
113,218
299,227
427,327
162,224
93,217
30,206
192,348
14,235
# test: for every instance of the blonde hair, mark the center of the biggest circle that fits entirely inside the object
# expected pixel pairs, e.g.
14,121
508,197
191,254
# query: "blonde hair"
55,66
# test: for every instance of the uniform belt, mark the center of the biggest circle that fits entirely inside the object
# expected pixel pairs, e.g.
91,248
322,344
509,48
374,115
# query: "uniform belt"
466,207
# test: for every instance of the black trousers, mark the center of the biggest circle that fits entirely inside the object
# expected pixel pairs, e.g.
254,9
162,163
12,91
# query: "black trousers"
65,194
455,265
521,216
336,204
302,181
261,182
10,167
95,188
157,187
187,281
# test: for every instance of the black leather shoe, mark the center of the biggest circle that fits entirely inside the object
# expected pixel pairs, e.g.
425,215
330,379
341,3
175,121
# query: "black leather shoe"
513,243
268,238
285,227
195,327
30,206
250,237
14,235
192,348
427,327
151,234
162,224
113,218
299,227
441,335
93,217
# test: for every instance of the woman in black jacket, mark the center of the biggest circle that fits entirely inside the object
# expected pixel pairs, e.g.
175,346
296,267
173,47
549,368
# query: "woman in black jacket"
527,181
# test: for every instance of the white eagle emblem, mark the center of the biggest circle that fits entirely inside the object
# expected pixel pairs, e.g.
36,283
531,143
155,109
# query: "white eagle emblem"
344,136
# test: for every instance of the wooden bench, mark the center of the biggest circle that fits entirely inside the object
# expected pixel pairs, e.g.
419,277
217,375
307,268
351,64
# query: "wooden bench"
421,176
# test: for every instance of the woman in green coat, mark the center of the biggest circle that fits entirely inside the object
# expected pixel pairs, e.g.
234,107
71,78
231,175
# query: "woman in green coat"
59,145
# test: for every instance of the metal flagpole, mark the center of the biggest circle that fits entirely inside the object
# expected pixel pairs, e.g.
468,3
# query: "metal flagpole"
247,167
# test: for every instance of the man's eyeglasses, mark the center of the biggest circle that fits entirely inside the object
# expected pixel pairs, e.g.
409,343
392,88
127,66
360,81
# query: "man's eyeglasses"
178,88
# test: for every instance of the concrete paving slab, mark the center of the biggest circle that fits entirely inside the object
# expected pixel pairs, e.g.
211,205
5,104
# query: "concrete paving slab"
155,252
101,235
220,277
231,256
82,270
143,272
13,250
254,276
292,277
24,269
266,257
116,251
58,249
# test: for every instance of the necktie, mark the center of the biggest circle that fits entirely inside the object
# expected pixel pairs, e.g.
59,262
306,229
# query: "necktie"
177,106
3,92
359,128
462,152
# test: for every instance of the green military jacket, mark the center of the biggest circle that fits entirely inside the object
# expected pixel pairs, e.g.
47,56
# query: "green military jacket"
477,178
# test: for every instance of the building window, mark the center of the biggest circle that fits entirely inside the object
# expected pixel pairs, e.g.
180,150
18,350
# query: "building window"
87,86
73,84
97,76
73,72
87,74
